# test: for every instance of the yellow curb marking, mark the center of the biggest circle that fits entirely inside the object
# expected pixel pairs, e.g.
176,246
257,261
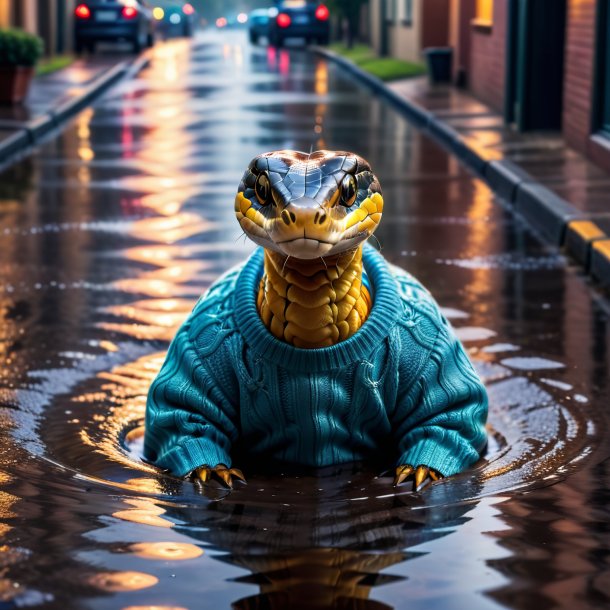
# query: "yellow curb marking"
602,247
585,229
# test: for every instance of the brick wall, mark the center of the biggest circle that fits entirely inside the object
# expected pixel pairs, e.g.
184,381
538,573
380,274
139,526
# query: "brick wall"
579,73
488,58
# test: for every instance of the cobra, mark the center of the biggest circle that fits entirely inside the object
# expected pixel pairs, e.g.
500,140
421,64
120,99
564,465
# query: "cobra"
312,214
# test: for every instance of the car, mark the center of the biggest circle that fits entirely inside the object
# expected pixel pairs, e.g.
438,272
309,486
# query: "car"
306,19
175,16
259,23
112,20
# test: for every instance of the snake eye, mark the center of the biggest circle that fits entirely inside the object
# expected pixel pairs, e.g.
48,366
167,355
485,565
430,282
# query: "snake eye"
349,190
262,188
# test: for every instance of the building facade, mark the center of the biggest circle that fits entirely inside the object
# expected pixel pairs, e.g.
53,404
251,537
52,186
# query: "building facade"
50,19
543,64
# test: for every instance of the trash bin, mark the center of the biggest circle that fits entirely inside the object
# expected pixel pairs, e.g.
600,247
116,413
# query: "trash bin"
439,63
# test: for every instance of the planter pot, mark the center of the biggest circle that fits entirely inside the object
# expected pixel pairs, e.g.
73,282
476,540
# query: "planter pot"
439,63
15,83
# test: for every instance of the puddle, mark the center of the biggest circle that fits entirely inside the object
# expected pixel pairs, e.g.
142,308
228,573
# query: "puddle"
531,363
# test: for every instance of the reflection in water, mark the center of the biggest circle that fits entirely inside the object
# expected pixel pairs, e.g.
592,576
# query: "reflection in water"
145,512
317,578
123,581
167,551
7,502
321,77
284,62
154,608
304,546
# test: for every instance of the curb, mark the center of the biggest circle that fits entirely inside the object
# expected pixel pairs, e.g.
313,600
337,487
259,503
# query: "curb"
32,132
554,218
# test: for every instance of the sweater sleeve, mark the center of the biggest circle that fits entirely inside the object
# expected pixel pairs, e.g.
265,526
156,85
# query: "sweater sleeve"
440,421
189,420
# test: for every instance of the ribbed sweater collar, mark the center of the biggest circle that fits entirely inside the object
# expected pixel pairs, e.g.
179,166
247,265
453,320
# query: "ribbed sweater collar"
383,317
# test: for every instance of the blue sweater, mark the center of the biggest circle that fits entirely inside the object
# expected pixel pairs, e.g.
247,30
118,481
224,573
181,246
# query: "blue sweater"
400,390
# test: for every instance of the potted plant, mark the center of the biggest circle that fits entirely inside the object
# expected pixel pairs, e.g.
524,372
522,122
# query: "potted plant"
19,52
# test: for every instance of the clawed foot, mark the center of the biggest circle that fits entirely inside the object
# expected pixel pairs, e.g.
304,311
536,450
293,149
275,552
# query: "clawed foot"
422,474
221,473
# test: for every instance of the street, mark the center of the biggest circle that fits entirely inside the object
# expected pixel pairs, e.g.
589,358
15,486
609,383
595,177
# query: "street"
111,230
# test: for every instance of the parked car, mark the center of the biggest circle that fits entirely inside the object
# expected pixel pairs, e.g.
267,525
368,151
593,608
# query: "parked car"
175,16
112,20
259,23
306,19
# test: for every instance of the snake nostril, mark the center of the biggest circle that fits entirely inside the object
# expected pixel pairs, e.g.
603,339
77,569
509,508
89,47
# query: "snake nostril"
293,217
322,219
286,217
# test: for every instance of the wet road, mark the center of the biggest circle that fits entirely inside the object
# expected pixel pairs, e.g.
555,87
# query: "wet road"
111,231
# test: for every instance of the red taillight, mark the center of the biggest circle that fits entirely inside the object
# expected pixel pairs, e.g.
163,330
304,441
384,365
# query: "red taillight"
82,11
322,13
188,9
283,20
129,12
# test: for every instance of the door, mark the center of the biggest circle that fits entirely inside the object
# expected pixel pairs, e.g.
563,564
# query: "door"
534,77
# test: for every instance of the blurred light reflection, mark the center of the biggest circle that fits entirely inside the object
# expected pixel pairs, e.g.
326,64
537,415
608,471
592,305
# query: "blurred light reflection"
116,582
168,551
154,608
321,78
144,512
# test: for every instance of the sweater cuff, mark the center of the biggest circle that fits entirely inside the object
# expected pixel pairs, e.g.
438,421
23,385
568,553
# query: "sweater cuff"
192,454
445,460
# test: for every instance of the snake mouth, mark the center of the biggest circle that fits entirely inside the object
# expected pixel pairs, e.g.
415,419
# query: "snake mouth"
305,248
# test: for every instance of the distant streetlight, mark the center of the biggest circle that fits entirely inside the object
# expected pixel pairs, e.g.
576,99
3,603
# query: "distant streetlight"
242,18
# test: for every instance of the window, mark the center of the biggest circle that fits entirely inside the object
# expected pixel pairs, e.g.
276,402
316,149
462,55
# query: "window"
484,16
485,12
408,8
392,10
4,15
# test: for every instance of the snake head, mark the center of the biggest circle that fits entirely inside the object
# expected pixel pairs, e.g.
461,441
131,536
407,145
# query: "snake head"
309,206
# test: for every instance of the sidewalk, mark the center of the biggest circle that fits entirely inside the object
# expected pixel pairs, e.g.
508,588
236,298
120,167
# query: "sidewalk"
56,97
563,195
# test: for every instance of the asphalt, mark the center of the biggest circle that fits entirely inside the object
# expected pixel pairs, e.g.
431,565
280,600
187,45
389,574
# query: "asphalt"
561,194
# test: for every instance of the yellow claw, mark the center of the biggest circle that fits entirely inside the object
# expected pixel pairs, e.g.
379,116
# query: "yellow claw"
238,473
203,474
225,476
402,473
435,476
421,474
221,472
